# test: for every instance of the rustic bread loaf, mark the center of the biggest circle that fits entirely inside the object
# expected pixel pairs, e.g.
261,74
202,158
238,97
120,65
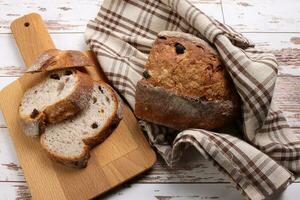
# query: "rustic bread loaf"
185,85
70,141
60,96
53,59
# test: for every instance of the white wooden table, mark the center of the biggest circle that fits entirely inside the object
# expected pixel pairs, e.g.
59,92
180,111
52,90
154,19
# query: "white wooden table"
272,24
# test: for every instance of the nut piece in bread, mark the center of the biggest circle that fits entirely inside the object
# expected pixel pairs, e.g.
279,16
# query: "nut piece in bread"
185,85
60,96
53,59
70,141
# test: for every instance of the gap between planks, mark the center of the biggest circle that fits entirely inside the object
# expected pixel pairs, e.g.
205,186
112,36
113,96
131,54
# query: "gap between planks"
62,16
159,192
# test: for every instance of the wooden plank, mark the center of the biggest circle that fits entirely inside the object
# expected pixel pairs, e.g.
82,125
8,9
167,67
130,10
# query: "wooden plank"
274,41
212,8
10,169
282,44
11,63
286,96
196,171
176,192
262,16
159,192
285,46
150,191
14,190
191,191
62,16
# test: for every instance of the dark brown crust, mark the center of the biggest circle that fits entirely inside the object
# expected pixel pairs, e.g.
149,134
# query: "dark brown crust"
53,59
62,109
160,106
90,142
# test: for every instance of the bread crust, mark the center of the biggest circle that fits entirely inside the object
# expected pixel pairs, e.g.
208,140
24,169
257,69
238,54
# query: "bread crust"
189,37
110,125
164,107
74,103
74,162
62,109
81,160
53,59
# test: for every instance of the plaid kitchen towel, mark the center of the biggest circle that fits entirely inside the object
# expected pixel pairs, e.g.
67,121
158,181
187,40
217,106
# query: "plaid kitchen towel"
121,36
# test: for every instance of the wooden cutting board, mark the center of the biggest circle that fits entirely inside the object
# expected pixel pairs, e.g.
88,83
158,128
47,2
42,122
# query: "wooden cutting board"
125,154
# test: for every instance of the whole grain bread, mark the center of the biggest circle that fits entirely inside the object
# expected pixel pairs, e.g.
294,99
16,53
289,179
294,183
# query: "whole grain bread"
70,141
53,59
61,95
185,85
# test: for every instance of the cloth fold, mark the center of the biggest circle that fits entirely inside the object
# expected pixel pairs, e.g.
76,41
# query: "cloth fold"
121,36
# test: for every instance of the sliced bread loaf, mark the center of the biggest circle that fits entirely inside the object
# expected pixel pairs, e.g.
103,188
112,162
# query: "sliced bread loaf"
60,96
70,141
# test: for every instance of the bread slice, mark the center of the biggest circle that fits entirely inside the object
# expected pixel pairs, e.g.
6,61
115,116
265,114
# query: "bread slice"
60,96
70,141
53,59
185,85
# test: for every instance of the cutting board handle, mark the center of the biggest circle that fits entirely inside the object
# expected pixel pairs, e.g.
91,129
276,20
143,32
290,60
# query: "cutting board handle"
32,37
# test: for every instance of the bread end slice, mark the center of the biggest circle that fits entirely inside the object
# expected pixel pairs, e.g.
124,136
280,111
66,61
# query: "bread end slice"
53,59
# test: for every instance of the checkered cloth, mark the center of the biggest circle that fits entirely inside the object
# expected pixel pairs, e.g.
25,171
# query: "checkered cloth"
121,36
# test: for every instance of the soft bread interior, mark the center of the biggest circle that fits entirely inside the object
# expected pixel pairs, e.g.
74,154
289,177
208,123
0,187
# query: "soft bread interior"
58,86
66,139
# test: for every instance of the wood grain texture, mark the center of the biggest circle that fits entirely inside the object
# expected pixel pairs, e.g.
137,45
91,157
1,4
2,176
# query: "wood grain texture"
66,26
281,44
58,15
287,97
31,36
262,16
196,171
125,154
191,191
214,191
243,15
62,15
